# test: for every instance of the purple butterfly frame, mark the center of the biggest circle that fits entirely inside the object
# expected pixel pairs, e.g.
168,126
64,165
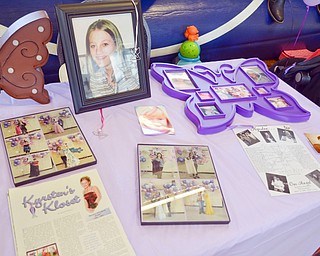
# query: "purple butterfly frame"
214,96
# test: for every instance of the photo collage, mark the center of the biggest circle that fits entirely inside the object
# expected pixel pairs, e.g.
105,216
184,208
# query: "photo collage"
179,184
44,144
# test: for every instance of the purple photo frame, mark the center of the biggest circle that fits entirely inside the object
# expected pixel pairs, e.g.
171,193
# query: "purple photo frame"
262,89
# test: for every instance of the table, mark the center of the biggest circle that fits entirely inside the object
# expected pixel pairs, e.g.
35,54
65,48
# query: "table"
260,224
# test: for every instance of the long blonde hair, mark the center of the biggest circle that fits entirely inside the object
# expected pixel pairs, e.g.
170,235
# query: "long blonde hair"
112,30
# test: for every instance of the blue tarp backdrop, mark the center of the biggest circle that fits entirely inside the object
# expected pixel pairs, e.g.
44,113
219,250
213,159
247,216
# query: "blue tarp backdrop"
228,29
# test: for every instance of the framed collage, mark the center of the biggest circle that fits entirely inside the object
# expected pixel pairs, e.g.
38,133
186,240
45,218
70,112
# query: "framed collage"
44,144
179,185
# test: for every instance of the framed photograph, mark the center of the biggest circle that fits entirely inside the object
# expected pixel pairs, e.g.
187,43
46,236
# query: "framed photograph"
210,110
105,54
180,80
257,75
261,90
233,92
44,144
205,96
179,185
278,102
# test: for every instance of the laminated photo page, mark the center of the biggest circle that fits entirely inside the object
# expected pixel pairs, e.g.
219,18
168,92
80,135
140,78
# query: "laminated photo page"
179,185
72,215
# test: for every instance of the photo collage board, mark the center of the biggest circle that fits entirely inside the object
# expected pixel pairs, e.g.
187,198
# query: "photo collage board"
179,185
44,144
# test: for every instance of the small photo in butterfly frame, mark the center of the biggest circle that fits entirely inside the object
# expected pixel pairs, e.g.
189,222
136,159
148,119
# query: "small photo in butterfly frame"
257,75
109,73
236,92
180,80
278,102
205,95
210,110
261,90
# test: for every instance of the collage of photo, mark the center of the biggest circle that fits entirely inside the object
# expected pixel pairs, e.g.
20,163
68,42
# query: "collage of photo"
44,144
179,184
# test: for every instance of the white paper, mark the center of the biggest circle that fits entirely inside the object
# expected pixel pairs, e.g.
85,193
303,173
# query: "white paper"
282,161
52,217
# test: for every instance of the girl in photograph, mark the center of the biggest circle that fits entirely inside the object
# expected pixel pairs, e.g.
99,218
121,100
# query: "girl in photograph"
111,67
57,127
69,158
26,146
91,194
191,170
209,210
18,128
34,168
23,126
157,165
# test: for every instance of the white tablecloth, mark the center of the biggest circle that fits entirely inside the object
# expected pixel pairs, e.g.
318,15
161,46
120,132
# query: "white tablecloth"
260,224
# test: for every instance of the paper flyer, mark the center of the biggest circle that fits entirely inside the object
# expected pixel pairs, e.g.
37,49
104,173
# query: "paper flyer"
67,216
282,161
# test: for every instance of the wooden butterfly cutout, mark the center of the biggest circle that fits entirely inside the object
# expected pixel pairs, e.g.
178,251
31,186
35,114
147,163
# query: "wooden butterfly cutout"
23,52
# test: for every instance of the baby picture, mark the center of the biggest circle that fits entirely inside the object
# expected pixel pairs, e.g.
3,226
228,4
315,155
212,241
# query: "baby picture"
154,120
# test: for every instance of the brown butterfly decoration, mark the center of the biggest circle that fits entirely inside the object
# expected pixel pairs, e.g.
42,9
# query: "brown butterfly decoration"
23,52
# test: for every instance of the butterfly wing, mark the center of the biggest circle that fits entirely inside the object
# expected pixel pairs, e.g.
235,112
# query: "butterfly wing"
23,52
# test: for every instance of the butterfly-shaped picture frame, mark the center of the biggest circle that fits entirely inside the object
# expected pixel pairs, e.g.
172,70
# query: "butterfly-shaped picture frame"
23,52
218,93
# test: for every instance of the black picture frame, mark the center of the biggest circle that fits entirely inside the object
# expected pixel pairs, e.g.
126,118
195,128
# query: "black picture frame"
178,184
44,144
127,66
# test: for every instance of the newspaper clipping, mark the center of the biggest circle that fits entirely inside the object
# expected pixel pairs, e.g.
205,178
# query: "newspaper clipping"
70,216
282,161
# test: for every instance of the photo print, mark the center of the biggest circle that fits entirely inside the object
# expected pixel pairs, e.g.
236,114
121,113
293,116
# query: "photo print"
233,92
261,90
248,138
286,135
210,110
314,176
205,95
256,74
268,137
314,140
278,102
278,183
180,79
154,120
